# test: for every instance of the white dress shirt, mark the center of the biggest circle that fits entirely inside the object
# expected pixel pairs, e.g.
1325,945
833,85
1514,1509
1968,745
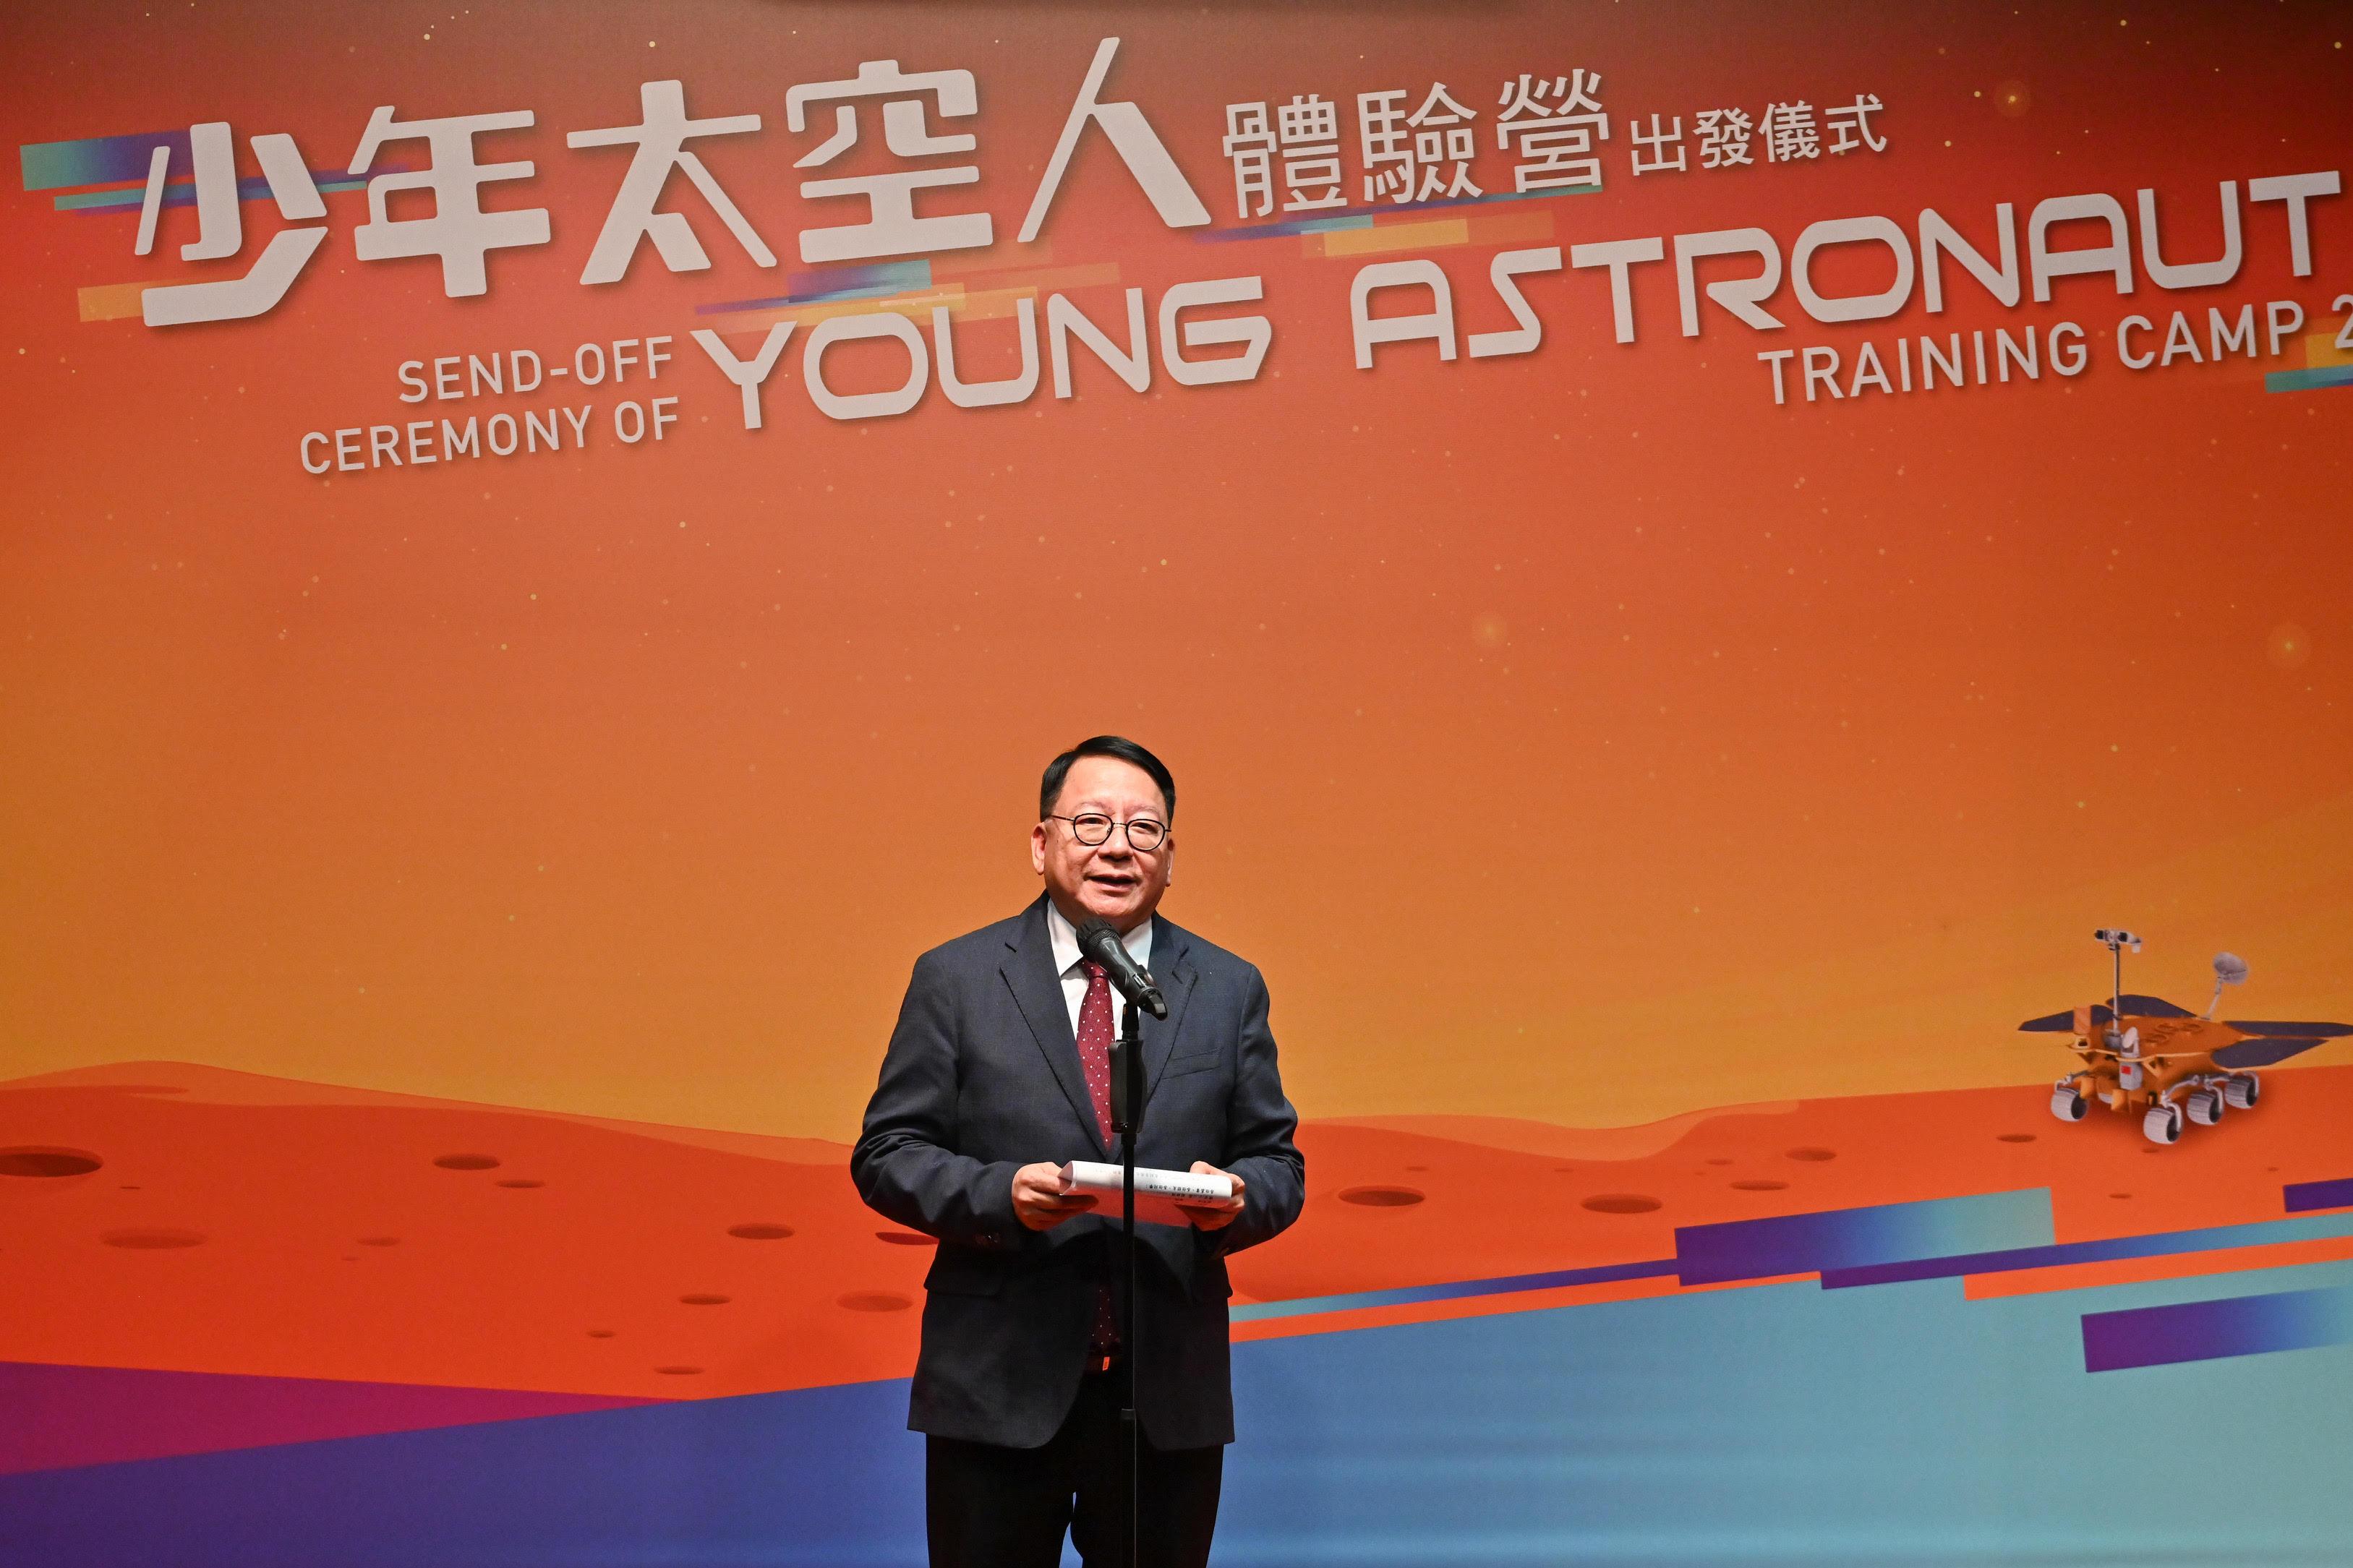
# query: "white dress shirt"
1063,938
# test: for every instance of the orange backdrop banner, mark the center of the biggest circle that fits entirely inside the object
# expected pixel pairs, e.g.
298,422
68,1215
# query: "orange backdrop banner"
1686,555
1681,558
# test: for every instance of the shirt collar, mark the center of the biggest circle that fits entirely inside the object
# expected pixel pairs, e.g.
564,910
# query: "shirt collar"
1063,938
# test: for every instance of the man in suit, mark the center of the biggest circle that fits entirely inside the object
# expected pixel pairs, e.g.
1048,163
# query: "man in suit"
997,1074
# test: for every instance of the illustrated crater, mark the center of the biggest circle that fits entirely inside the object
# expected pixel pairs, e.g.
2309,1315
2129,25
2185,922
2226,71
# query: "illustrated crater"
150,1238
874,1301
1621,1202
47,1163
1382,1197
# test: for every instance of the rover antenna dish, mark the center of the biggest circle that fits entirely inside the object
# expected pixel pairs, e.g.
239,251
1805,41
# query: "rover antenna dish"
2230,969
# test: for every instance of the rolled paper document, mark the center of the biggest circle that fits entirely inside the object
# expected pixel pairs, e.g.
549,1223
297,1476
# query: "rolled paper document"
1156,1192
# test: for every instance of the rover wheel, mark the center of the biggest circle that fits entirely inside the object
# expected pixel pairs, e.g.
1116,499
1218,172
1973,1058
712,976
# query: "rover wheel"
2241,1090
2068,1105
2205,1108
2162,1124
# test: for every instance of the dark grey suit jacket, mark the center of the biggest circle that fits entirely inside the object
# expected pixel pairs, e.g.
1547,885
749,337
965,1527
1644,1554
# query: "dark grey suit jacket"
982,1078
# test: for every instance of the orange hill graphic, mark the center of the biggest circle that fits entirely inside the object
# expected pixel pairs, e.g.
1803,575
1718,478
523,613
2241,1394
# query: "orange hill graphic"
170,1217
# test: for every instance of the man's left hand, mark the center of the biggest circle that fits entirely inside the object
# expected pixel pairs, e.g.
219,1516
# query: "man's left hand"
1214,1215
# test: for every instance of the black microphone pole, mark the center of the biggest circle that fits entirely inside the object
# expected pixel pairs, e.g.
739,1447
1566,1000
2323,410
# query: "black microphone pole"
1127,1120
1099,941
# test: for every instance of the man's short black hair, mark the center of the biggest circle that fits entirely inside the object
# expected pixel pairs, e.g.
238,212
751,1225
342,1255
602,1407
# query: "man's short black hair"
1049,788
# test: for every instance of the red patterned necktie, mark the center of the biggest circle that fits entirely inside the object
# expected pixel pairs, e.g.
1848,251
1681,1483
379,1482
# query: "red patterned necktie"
1094,1060
1094,1044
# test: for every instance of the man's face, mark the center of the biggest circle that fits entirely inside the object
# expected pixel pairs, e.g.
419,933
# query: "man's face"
1113,880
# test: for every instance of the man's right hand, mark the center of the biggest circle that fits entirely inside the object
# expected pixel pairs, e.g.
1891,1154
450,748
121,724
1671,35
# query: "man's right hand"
1039,1200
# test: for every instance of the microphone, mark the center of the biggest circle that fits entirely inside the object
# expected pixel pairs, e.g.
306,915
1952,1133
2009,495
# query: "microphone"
1099,941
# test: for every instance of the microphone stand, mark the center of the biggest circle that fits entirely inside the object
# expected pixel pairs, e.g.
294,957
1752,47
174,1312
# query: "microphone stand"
1127,1120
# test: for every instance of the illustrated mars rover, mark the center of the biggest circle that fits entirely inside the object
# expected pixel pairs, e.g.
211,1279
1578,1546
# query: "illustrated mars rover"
2143,1055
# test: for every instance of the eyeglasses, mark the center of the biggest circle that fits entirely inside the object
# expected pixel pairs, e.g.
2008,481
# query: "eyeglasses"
1091,828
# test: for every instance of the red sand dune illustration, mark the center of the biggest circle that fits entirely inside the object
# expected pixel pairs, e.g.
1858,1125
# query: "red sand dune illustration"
1488,1211
184,1218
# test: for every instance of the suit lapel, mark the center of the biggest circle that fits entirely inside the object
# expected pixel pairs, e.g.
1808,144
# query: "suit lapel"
1029,971
1170,944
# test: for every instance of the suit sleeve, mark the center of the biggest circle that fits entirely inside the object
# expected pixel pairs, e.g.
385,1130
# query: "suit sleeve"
1259,1128
906,1165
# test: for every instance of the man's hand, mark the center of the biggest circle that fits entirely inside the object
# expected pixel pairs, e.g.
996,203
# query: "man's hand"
1039,1201
1207,1215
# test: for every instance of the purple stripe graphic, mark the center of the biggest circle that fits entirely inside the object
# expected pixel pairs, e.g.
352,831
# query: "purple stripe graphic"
2209,1330
2109,1249
1832,1240
2301,1197
96,159
60,1417
1454,1290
